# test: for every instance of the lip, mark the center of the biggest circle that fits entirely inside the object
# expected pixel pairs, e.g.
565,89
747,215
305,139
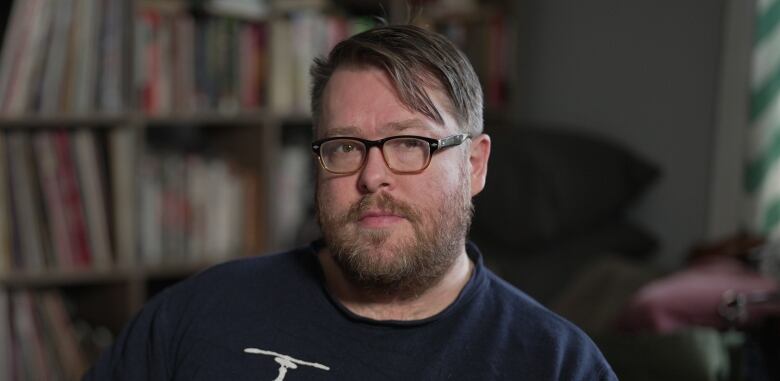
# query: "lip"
378,219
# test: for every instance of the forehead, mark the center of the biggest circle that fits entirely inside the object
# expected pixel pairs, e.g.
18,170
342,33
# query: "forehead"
363,102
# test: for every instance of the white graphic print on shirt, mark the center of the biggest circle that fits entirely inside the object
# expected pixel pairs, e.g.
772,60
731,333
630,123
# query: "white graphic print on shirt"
285,362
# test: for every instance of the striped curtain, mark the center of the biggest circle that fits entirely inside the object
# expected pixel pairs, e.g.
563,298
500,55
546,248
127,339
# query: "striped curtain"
763,167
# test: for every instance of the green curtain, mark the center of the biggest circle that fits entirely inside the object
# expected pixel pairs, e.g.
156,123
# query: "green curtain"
762,180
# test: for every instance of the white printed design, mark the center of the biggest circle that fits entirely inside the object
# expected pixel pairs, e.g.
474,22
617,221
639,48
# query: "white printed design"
285,362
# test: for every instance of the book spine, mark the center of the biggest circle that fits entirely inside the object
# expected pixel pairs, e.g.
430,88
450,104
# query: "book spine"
64,340
54,204
6,246
86,69
33,363
88,168
16,52
54,72
124,149
30,254
71,194
12,42
112,58
6,343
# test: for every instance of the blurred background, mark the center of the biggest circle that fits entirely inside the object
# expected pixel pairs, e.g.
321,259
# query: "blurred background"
632,188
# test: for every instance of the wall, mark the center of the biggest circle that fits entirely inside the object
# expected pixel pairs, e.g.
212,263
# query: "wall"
644,73
727,204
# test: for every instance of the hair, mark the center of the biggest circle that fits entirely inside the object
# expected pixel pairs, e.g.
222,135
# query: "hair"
414,59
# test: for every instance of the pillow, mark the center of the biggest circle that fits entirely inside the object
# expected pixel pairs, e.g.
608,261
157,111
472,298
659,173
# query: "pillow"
544,272
543,184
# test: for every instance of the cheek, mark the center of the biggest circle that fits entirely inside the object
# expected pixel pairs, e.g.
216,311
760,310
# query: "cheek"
444,179
333,192
432,192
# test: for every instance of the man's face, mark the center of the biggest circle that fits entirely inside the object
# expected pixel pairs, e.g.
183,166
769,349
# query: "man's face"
391,232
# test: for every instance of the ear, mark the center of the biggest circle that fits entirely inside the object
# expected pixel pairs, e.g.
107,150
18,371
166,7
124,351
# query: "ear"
478,158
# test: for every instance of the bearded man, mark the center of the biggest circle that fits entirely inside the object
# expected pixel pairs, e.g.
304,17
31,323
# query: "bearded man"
393,291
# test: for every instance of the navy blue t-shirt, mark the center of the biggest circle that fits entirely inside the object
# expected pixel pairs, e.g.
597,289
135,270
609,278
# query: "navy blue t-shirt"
271,318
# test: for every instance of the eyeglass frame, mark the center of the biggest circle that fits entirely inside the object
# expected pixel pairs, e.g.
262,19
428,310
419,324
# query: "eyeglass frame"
434,145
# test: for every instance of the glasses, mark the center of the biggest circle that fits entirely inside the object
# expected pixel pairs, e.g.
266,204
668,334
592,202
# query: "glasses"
402,154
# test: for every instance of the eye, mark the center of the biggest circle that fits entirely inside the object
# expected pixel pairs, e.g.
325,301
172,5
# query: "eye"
345,147
411,143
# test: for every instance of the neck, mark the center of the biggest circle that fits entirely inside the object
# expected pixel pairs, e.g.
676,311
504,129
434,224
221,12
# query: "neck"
388,306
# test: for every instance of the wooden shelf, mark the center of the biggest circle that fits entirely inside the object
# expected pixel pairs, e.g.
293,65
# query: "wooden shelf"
177,270
58,278
216,118
207,118
55,121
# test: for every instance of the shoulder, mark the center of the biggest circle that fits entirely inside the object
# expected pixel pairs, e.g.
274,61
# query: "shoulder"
531,326
525,315
237,281
296,263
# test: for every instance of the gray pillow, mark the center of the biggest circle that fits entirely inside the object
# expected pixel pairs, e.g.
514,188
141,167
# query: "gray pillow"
545,183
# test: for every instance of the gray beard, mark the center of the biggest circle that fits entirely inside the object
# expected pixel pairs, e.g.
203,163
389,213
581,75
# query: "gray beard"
417,263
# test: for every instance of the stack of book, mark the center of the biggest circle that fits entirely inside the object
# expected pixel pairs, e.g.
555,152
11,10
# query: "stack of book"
193,208
38,339
489,41
63,56
55,210
187,64
295,41
227,64
53,204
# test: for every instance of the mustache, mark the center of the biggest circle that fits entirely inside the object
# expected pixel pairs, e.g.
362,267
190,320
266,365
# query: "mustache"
383,202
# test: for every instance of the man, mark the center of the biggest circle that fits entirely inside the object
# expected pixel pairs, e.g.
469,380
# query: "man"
393,291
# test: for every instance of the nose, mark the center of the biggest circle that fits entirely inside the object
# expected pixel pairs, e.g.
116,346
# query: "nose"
375,174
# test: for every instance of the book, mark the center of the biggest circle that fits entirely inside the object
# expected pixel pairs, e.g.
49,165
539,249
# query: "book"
111,85
6,344
32,362
150,210
86,69
54,72
32,64
224,212
24,196
253,9
282,65
174,207
12,44
198,195
124,143
88,165
252,65
54,205
255,212
47,332
146,59
24,52
163,72
5,211
70,189
64,340
227,65
68,87
291,189
182,62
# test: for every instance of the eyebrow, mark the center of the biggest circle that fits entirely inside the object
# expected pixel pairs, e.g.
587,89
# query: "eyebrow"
399,126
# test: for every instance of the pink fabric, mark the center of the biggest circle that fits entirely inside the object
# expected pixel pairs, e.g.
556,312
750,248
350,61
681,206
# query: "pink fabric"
692,296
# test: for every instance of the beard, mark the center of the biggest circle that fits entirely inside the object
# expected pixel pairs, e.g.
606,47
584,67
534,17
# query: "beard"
378,263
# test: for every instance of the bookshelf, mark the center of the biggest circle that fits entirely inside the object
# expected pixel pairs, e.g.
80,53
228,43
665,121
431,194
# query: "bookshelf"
143,141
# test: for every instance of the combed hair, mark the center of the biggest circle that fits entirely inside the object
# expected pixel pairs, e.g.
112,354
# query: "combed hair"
414,59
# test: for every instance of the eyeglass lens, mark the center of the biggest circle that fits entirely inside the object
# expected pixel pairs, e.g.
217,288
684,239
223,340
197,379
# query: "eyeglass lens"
401,154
